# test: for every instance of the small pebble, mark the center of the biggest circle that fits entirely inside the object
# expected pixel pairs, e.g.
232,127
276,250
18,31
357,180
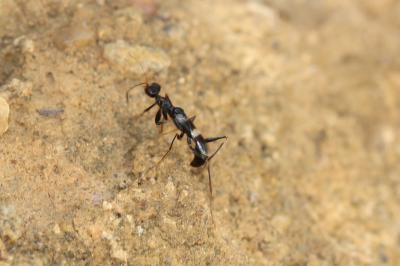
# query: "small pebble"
50,112
181,80
97,199
281,222
10,224
107,235
56,229
387,136
27,45
183,196
118,253
253,198
129,218
136,59
140,230
107,206
4,113
77,35
17,88
170,188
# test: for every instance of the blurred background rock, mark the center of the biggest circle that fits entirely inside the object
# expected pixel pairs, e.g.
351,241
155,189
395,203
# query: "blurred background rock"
307,91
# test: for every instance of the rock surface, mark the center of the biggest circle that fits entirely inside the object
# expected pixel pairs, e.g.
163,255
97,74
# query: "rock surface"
307,92
4,114
75,36
136,59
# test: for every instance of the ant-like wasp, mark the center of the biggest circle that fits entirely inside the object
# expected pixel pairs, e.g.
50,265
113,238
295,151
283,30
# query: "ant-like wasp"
196,142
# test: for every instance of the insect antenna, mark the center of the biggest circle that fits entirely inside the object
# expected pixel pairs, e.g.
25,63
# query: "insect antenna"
131,88
139,84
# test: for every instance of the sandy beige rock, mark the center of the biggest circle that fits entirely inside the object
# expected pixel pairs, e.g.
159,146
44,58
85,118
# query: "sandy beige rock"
136,59
7,8
17,88
307,92
4,114
77,35
11,227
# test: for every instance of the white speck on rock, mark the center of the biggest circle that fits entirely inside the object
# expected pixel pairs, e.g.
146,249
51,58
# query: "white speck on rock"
27,45
107,205
129,218
107,235
140,230
170,188
387,136
56,229
183,195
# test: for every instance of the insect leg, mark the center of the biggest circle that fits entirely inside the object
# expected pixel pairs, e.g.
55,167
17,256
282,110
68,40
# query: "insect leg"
157,119
215,138
148,108
179,136
192,118
165,116
211,191
220,146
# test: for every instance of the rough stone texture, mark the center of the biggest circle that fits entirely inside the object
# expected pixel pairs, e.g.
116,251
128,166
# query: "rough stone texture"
7,8
136,59
4,114
307,91
77,35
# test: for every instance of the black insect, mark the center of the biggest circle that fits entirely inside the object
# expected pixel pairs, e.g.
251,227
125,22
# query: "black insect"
197,143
